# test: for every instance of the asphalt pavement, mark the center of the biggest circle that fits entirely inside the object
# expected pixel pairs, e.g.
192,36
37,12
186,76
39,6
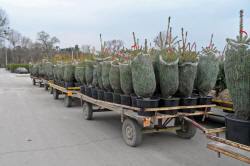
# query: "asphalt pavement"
36,130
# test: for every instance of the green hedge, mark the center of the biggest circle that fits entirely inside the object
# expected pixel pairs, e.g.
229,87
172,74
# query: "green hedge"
13,67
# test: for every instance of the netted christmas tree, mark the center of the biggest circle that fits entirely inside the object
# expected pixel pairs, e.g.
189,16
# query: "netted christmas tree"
89,71
69,72
106,65
126,78
237,72
35,70
187,66
95,79
49,70
60,71
143,76
168,63
80,73
41,69
99,74
207,70
114,77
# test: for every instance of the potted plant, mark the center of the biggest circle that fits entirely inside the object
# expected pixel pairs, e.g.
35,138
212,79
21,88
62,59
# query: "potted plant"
187,71
126,77
168,68
94,83
143,79
237,67
207,71
68,75
89,66
114,78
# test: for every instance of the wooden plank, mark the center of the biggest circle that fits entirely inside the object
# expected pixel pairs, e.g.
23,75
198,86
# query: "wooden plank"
73,88
228,142
179,107
164,116
216,130
222,101
167,129
227,152
225,108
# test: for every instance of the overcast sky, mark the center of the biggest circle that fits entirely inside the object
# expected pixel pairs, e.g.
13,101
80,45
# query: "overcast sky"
81,21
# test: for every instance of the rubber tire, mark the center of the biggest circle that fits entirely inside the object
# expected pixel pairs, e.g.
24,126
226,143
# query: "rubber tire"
55,94
51,90
34,82
188,129
136,135
87,111
67,101
40,84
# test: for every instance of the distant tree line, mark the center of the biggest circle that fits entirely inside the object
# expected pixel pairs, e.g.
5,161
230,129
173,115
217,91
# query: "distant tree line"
16,48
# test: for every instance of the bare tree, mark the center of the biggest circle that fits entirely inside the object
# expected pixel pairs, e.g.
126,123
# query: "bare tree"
14,38
114,45
85,49
47,42
25,42
4,22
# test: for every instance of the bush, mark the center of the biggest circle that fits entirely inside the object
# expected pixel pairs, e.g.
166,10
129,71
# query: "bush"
12,67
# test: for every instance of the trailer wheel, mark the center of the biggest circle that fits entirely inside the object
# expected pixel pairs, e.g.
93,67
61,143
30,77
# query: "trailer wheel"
87,111
55,94
34,82
131,132
187,131
51,90
40,84
67,101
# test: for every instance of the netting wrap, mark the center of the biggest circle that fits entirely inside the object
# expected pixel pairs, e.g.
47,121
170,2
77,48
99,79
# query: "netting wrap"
89,72
95,80
143,76
35,70
237,68
80,73
207,71
41,70
49,70
77,73
156,65
187,74
106,65
69,73
169,78
114,77
60,72
126,78
99,75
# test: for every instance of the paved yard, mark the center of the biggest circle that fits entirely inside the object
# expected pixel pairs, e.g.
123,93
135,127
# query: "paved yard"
36,130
